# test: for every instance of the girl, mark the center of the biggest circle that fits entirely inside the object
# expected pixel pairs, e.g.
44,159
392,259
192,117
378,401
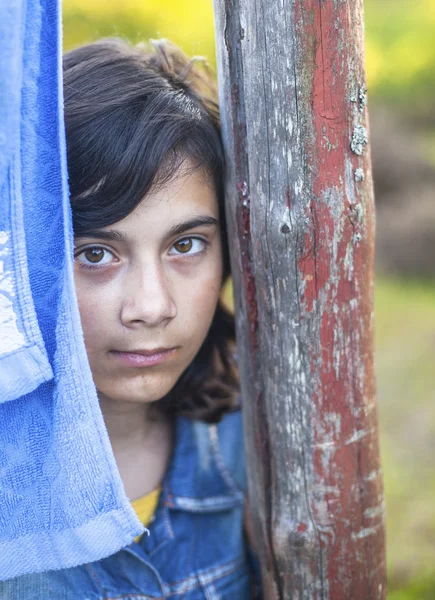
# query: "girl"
146,169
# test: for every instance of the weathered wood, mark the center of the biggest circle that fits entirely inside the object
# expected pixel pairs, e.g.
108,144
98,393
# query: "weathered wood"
301,221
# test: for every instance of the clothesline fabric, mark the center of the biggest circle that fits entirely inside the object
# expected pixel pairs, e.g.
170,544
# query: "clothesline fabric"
62,502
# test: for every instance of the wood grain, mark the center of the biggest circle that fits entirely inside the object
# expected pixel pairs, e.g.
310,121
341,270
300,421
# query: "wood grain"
301,223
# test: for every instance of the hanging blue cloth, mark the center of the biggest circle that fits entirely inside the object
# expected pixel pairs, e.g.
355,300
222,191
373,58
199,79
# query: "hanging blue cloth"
62,501
23,360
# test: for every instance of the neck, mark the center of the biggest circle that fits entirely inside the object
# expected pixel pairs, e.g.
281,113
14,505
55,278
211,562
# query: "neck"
141,442
128,424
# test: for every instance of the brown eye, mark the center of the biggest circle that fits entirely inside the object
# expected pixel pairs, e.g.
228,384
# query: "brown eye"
184,246
94,255
189,246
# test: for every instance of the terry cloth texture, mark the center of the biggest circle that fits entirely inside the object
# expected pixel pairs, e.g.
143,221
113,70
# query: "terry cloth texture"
62,502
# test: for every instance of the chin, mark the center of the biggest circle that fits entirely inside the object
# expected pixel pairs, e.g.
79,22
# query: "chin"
143,393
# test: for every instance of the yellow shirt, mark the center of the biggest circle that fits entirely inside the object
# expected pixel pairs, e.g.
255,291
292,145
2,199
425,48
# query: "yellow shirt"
145,507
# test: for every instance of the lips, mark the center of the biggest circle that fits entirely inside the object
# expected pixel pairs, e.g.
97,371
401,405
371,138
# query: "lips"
144,352
142,357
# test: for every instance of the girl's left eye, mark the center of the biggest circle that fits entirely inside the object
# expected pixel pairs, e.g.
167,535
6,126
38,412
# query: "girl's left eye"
94,257
189,246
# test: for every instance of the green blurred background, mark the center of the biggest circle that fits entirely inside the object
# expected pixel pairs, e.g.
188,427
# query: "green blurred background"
400,55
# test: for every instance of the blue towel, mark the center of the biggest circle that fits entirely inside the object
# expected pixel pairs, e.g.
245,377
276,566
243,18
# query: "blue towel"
62,501
23,361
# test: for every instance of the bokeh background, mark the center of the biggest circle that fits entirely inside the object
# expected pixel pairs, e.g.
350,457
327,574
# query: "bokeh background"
400,55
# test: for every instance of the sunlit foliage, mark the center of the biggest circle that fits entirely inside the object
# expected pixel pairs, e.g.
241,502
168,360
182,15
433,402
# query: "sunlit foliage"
400,51
188,23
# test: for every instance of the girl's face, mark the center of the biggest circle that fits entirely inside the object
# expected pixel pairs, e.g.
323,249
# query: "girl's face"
147,289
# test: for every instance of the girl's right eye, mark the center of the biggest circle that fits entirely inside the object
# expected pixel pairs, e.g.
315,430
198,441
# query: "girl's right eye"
94,257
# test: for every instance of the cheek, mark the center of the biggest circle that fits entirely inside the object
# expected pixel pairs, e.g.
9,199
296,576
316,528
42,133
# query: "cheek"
199,303
197,290
94,312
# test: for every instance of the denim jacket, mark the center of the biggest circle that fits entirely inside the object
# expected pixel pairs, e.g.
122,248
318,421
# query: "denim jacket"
195,548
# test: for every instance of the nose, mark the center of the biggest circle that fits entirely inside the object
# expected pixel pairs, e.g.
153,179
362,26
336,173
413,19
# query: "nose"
148,298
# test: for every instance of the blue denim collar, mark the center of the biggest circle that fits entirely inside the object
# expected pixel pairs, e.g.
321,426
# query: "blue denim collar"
198,479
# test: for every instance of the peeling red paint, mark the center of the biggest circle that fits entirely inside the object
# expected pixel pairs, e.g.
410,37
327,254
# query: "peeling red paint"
302,527
344,330
288,198
315,262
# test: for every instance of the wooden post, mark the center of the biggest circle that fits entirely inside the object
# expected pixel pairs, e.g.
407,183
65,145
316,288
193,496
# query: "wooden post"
301,225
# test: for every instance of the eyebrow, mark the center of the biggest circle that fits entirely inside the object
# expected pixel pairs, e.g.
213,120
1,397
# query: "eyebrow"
117,236
201,221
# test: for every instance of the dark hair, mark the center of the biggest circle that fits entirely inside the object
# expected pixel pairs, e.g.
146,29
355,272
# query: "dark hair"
133,115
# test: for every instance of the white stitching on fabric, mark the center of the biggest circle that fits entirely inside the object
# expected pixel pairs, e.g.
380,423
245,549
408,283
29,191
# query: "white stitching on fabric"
206,578
213,503
210,593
